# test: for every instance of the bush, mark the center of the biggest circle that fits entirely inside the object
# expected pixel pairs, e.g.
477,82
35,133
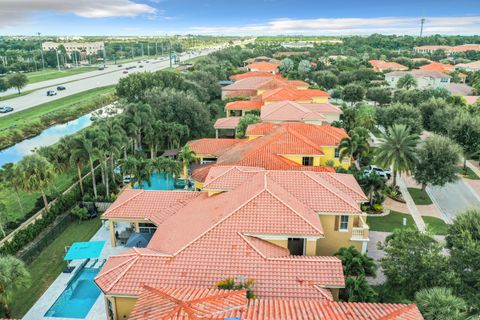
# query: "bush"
377,207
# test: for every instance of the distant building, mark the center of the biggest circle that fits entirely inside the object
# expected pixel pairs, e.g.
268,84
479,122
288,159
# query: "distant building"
87,47
440,67
425,78
448,49
381,66
471,66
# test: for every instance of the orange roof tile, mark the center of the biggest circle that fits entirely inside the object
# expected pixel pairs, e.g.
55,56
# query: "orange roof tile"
380,65
250,74
189,303
292,94
251,83
291,111
211,146
227,123
244,105
440,67
263,66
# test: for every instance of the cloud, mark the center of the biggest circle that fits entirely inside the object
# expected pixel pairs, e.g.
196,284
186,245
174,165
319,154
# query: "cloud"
351,26
14,11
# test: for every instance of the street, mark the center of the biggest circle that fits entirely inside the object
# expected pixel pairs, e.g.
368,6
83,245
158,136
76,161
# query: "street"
88,80
454,198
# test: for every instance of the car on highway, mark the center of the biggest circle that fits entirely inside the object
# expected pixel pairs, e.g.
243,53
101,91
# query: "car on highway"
51,93
61,88
125,71
140,66
100,68
6,109
120,66
371,169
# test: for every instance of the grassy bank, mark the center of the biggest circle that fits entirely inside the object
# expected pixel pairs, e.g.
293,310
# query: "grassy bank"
49,264
50,74
438,226
419,196
30,122
390,222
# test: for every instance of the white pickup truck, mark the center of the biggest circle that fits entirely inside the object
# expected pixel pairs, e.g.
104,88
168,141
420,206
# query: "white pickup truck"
378,171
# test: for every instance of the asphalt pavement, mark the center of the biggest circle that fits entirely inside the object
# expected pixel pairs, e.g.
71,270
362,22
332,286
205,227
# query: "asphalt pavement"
454,198
89,80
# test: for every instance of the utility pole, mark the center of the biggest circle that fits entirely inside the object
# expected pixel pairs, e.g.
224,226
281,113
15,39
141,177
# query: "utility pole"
133,56
41,51
156,49
148,49
142,49
422,21
58,60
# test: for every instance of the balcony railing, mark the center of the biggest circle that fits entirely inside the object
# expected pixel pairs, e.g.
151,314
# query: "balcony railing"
360,233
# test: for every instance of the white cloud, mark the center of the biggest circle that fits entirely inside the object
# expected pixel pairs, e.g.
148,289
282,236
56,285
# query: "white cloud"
14,11
350,26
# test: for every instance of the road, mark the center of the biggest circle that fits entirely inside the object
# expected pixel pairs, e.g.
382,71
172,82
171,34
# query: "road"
89,80
454,198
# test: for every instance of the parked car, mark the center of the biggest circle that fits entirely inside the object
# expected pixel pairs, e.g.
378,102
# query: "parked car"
378,171
127,179
6,109
51,93
61,88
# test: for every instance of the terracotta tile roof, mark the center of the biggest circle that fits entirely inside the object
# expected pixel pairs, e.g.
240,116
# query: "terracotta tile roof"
432,47
148,204
322,192
186,303
263,66
323,107
259,206
473,65
190,303
227,123
297,83
292,94
251,83
471,99
244,105
289,111
419,74
460,89
260,129
380,65
440,67
250,74
212,146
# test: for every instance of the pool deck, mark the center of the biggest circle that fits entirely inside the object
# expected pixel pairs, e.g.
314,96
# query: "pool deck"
97,311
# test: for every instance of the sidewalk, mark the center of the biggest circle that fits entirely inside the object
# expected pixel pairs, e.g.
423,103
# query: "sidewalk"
412,208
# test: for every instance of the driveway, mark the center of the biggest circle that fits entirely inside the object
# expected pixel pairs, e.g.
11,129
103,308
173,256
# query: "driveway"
454,198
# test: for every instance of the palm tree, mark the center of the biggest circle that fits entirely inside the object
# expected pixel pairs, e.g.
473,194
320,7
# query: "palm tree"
397,150
372,184
37,174
82,146
10,179
143,172
13,276
407,82
159,165
128,165
3,218
440,304
78,159
355,145
187,155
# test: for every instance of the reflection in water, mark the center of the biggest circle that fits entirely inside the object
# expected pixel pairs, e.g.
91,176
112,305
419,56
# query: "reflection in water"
48,137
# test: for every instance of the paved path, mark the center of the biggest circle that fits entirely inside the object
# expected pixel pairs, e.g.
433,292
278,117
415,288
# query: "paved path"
89,80
454,198
410,204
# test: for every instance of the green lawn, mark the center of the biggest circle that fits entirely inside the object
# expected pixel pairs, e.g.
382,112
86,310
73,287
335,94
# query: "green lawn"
50,74
438,226
470,174
15,95
419,197
33,114
9,198
49,264
390,222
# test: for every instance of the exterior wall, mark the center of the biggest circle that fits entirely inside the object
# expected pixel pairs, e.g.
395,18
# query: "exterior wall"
331,117
310,247
200,157
298,159
320,99
329,155
122,307
422,82
89,47
334,240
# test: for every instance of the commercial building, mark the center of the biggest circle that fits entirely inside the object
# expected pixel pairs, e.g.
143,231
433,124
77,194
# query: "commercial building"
87,47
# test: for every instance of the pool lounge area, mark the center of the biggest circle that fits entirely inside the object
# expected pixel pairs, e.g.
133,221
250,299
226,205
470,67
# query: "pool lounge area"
158,181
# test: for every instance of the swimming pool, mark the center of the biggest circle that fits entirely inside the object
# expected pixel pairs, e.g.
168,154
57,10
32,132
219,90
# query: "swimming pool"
78,298
158,182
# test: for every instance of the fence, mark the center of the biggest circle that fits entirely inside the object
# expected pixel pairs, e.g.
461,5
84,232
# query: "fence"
45,238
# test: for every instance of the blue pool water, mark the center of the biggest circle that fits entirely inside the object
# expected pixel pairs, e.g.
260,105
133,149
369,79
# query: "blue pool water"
78,298
158,182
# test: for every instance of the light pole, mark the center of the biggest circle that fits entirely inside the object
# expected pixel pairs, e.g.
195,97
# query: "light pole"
58,60
41,51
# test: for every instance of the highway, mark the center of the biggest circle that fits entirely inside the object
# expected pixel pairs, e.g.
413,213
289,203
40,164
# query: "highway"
89,80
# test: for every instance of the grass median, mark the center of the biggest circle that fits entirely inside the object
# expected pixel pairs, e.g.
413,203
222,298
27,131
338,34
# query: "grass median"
49,264
50,74
30,122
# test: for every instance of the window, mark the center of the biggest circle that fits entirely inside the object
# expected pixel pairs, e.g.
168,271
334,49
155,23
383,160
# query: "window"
307,161
296,246
444,80
337,153
147,227
343,223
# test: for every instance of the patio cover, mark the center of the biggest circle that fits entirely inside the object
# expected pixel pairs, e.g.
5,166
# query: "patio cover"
84,250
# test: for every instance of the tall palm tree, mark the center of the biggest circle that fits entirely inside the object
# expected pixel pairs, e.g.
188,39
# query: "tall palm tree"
128,165
143,172
187,156
37,174
397,150
136,118
13,276
355,145
10,179
82,146
372,184
78,159
159,165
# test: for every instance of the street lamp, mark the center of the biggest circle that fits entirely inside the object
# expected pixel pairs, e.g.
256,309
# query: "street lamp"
41,51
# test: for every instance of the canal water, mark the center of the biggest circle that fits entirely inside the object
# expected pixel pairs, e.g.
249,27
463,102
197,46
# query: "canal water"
48,137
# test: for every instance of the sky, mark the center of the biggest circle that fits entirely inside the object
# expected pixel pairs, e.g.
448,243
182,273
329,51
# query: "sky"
238,17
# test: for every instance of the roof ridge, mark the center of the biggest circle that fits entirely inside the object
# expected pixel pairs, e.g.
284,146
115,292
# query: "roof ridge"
398,312
131,261
329,187
230,169
302,137
288,206
335,175
137,193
